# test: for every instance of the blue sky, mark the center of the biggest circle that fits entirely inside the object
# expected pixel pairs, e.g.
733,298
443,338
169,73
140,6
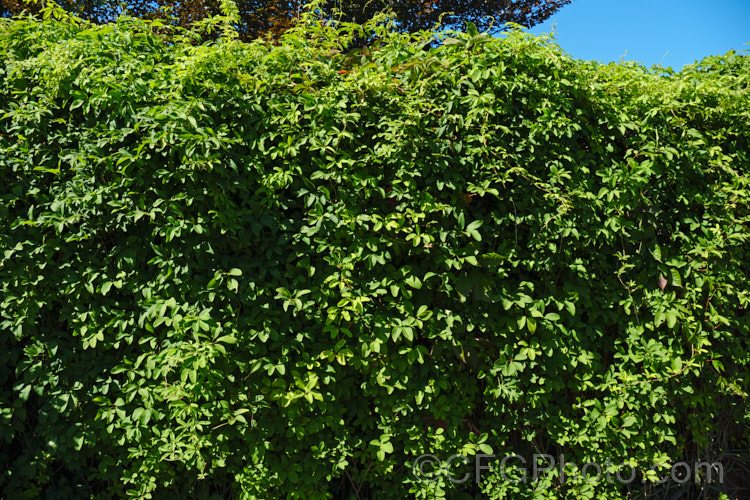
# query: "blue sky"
668,32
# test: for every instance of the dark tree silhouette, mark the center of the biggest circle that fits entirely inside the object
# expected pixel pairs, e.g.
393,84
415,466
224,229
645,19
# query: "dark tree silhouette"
271,18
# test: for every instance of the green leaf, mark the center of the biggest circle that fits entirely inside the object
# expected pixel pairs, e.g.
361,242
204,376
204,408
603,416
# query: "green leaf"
676,278
413,282
570,307
485,448
671,318
521,322
23,394
676,364
656,252
531,324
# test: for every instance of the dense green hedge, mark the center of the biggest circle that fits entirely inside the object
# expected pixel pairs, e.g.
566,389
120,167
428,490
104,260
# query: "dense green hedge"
258,271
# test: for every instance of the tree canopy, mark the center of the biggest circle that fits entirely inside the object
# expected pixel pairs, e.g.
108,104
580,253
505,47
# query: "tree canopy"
273,17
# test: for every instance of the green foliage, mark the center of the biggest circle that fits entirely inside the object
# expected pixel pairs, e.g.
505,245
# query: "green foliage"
270,18
285,271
